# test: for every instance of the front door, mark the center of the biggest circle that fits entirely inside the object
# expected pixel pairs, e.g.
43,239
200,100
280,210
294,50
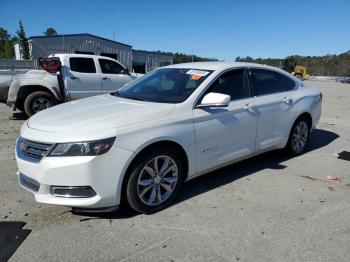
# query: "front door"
81,79
113,75
227,133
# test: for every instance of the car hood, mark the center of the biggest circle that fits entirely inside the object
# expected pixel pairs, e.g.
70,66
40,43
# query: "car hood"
96,114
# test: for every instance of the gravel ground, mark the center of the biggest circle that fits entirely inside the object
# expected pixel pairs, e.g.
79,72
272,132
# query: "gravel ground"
269,208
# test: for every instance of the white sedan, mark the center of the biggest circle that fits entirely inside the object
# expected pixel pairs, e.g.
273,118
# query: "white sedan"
141,143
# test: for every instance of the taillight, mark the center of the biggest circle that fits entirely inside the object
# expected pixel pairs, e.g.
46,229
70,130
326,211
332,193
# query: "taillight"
50,64
321,96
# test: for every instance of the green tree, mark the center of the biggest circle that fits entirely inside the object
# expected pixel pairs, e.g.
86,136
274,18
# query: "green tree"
4,34
50,31
328,65
23,41
183,58
6,45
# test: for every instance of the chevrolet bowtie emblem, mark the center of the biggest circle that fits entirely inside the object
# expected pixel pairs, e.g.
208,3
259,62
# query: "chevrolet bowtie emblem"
23,147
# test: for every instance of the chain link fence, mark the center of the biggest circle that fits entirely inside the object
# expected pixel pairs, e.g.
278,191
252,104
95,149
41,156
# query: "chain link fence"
13,65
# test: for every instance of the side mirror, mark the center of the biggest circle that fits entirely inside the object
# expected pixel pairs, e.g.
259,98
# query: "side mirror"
215,100
126,71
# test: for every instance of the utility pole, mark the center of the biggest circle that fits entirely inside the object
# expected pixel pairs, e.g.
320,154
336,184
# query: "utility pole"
63,42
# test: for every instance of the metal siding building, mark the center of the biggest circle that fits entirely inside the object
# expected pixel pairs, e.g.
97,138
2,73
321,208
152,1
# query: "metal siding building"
138,61
144,61
80,43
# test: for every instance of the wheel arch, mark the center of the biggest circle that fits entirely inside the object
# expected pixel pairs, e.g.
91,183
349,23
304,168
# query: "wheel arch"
304,115
146,148
308,118
26,90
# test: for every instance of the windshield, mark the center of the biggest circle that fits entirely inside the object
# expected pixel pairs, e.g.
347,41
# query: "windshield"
168,85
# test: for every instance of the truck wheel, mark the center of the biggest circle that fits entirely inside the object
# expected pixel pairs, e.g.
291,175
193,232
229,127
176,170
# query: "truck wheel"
38,101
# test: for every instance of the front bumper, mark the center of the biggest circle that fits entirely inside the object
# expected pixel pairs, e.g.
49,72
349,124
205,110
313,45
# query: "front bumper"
103,174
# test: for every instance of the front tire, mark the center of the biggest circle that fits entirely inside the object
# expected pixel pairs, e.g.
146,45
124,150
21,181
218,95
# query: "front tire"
155,180
299,137
38,101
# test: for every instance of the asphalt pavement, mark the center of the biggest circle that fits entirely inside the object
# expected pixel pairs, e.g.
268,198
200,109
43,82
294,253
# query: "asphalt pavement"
269,208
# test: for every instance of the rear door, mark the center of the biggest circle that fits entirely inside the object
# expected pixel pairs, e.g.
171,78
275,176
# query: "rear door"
226,133
81,79
113,75
275,96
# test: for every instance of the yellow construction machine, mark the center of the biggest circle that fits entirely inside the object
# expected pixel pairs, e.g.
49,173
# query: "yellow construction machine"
290,65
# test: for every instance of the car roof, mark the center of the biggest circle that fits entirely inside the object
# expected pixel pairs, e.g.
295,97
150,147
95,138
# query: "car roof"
79,55
220,66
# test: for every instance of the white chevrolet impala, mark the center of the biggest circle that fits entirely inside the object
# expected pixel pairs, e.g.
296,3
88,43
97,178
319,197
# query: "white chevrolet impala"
141,143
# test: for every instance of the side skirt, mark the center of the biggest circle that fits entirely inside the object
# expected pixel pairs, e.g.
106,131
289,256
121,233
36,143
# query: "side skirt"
233,162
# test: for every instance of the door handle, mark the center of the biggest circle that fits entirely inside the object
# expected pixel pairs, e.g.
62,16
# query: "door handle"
287,100
248,107
105,78
74,78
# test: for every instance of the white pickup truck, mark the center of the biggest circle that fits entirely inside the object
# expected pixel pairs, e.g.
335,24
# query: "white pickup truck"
66,77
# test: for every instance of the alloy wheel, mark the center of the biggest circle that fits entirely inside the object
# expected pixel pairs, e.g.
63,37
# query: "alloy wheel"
157,180
299,137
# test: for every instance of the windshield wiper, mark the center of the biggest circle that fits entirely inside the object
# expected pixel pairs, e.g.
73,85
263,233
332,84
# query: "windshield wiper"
136,98
116,93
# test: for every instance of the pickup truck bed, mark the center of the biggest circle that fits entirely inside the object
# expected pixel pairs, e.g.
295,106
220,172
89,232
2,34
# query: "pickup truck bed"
6,77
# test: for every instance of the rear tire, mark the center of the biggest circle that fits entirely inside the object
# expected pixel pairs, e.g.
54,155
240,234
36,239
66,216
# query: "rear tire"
38,101
299,137
155,180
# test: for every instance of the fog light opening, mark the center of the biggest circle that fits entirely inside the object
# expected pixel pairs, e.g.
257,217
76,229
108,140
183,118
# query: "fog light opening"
73,191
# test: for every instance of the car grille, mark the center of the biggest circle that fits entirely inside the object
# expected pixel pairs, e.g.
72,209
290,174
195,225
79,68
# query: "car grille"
32,151
29,183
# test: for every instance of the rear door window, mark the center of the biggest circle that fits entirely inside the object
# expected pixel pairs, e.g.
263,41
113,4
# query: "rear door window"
82,64
233,83
269,82
110,67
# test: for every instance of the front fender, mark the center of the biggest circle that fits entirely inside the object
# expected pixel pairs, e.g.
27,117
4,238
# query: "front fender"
133,154
179,131
137,138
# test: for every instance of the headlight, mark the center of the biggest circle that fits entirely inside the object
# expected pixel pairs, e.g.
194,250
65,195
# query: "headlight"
92,148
